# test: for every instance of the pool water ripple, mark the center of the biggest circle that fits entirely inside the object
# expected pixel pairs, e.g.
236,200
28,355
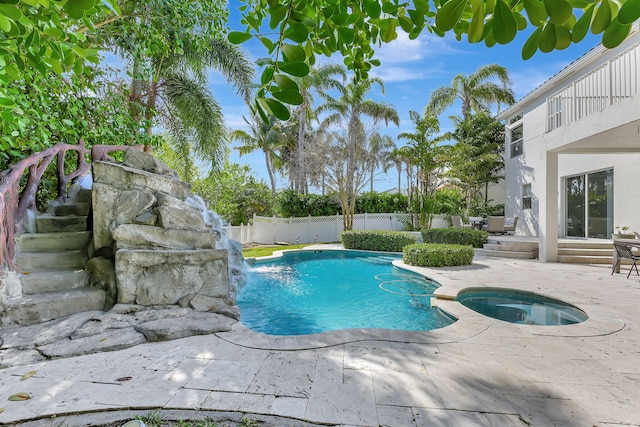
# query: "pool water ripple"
308,292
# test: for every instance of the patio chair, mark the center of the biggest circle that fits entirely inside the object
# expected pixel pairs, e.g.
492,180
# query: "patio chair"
624,252
456,220
510,225
495,225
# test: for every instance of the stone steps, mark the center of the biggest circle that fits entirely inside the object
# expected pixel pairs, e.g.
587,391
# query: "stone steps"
585,259
60,260
41,307
47,242
72,209
48,223
52,281
505,254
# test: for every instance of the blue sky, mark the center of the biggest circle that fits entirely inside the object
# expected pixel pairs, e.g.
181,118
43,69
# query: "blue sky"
411,70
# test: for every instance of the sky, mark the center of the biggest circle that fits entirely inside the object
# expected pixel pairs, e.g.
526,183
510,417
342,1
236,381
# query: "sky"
411,70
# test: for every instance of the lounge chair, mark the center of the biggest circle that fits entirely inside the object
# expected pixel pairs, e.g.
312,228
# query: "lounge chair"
456,220
510,225
495,225
624,252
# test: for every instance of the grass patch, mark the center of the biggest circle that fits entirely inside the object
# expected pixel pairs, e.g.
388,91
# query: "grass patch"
268,250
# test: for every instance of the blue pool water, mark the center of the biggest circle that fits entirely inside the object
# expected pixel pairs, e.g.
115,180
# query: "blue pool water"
309,292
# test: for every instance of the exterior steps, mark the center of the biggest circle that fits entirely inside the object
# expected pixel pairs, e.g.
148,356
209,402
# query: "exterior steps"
506,247
585,252
52,266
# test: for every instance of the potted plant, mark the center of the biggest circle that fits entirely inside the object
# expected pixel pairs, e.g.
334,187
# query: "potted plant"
622,233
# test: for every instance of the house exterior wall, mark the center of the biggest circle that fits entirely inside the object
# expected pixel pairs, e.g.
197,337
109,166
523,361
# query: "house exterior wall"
588,144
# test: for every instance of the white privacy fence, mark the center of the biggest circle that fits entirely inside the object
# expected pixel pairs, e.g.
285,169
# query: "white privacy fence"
318,229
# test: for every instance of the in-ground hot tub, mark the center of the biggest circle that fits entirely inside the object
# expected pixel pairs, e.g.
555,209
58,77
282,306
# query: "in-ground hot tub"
516,306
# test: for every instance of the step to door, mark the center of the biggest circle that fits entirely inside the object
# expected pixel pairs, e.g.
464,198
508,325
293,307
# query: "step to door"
585,252
577,259
62,260
53,281
48,223
50,242
505,254
585,244
32,309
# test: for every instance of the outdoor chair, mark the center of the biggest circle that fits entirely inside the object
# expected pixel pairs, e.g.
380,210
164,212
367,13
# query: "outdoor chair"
624,252
456,220
495,225
510,225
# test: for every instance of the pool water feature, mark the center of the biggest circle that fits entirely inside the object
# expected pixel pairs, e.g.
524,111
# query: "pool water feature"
516,306
307,292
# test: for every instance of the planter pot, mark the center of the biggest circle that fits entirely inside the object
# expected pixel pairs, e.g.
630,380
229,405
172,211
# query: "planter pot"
616,236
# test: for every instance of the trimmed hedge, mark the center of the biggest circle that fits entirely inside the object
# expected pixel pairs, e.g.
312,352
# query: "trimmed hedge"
455,236
376,240
437,255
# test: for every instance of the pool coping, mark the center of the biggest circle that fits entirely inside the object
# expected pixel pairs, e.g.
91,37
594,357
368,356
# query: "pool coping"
468,324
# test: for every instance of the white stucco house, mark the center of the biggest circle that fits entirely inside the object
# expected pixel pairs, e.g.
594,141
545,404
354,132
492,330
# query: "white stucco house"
572,166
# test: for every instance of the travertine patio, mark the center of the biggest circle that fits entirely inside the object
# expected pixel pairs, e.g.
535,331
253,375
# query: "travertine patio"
478,371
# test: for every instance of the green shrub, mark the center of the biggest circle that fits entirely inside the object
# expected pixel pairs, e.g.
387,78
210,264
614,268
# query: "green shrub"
374,240
437,255
455,236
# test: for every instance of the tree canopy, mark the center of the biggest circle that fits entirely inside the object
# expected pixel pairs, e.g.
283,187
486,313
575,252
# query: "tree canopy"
294,32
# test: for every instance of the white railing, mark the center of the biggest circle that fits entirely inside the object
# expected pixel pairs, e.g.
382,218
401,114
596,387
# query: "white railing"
319,229
608,84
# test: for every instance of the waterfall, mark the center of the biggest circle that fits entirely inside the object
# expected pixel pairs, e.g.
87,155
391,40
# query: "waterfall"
236,264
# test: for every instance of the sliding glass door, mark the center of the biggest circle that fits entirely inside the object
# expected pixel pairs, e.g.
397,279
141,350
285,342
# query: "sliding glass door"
589,205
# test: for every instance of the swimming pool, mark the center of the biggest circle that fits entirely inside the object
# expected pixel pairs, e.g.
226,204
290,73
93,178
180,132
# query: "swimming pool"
307,292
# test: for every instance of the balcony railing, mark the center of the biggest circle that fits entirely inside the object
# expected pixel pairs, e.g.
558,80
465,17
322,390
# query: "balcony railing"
612,82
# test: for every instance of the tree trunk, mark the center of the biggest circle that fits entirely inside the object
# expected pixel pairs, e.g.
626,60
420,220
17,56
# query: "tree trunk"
272,178
301,167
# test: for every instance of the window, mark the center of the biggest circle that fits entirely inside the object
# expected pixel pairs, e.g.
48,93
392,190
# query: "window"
515,137
527,195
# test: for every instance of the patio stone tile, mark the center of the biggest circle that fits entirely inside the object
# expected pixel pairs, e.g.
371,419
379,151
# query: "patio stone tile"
396,416
350,402
243,402
85,398
468,392
540,411
225,375
150,389
188,398
427,417
330,364
293,407
406,389
285,374
384,356
612,403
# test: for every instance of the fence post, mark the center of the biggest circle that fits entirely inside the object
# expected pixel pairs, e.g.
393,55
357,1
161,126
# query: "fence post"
337,224
289,230
309,229
274,229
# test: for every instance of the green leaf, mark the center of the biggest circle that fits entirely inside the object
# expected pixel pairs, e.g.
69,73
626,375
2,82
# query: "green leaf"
417,17
505,25
292,97
629,12
19,397
476,28
6,103
449,14
581,28
10,11
266,76
296,32
373,8
531,45
82,4
293,53
536,12
563,37
73,10
602,19
615,33
5,24
346,34
421,6
237,37
405,23
558,10
277,13
261,62
277,109
547,40
298,69
286,83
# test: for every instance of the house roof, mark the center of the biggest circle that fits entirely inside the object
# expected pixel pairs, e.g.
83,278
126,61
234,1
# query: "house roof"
579,64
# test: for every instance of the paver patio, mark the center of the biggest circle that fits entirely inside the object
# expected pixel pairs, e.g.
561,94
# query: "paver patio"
478,371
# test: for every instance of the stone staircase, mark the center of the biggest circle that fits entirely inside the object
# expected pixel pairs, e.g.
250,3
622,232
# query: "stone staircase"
569,251
51,260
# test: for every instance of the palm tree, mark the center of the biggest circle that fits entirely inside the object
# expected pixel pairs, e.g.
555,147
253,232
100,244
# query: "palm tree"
319,79
379,154
266,136
178,97
350,109
476,91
